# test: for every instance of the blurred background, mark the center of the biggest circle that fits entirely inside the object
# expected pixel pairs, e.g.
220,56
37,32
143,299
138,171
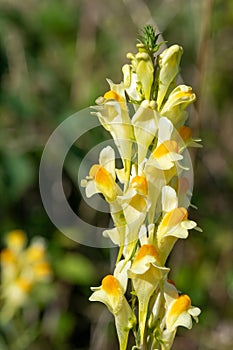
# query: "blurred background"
55,57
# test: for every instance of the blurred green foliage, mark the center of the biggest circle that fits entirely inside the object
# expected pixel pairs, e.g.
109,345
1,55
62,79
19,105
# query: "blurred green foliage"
54,59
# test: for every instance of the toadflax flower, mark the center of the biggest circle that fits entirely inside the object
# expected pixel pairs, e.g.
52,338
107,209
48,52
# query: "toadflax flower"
175,106
145,122
179,312
162,164
102,176
135,203
169,61
138,77
165,155
146,272
111,293
112,113
174,224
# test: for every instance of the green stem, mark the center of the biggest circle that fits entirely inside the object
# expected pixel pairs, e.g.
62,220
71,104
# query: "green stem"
120,252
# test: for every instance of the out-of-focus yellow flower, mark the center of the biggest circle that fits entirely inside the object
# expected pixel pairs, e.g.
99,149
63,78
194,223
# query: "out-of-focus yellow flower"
7,257
17,292
22,268
36,251
16,240
8,265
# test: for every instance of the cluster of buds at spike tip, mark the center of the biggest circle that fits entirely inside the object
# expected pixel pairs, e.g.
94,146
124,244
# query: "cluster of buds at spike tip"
148,196
23,267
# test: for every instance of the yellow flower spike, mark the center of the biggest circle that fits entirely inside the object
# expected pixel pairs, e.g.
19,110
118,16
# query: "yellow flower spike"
21,268
16,240
147,208
111,293
169,61
146,273
14,295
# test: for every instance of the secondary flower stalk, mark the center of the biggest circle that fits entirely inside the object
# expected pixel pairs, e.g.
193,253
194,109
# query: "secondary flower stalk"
22,267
